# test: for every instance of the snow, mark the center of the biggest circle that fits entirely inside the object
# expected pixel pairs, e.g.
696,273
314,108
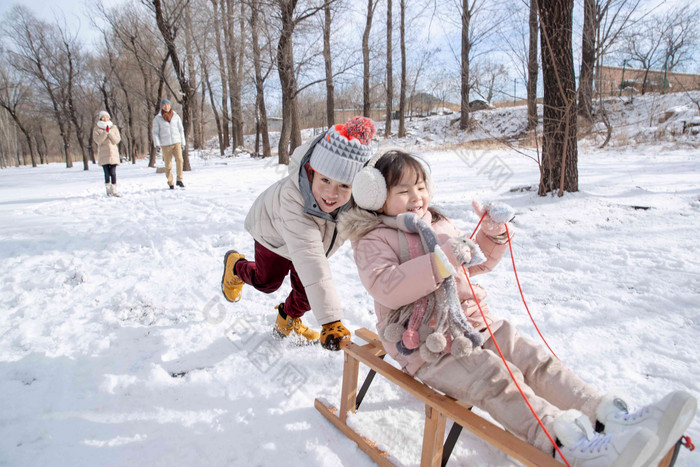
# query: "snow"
117,347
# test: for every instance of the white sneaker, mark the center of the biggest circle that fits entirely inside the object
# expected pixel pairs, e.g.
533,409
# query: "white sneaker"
667,418
583,447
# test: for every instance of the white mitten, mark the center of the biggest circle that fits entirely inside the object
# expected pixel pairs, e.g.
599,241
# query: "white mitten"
494,224
467,252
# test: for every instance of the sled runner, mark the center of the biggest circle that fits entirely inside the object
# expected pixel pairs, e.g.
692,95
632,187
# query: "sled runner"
438,408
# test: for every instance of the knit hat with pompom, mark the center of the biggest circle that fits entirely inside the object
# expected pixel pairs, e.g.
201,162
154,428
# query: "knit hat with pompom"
344,150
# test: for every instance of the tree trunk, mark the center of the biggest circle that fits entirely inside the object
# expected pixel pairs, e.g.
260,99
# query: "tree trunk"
330,91
366,103
261,112
389,72
238,119
466,48
402,94
217,119
559,171
222,73
43,154
24,131
585,86
532,68
234,80
197,142
285,69
168,32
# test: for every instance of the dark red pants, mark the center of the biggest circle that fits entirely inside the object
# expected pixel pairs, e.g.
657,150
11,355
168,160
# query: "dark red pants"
267,273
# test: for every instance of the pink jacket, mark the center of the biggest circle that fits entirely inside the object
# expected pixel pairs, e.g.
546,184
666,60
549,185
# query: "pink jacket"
393,284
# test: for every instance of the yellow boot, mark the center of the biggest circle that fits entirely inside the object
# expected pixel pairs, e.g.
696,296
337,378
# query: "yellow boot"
293,326
231,284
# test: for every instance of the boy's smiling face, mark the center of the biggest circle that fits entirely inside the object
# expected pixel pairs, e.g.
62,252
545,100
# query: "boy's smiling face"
328,193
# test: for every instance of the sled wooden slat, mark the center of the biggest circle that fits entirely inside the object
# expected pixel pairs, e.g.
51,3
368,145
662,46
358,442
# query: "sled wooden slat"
438,409
369,447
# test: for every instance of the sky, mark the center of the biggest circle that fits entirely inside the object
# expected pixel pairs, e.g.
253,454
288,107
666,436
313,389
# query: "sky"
72,10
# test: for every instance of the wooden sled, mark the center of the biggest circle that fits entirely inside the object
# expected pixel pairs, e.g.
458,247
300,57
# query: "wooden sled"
438,408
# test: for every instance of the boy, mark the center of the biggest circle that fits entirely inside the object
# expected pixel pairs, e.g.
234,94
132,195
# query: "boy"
293,224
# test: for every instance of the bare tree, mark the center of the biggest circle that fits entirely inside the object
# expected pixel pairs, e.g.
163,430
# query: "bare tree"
222,73
521,36
585,89
233,50
366,102
69,64
290,135
33,49
389,72
604,21
402,92
14,96
663,41
559,169
532,67
168,22
478,20
488,77
261,110
680,36
327,59
190,37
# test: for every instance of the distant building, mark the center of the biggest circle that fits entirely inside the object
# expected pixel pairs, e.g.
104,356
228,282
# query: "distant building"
614,78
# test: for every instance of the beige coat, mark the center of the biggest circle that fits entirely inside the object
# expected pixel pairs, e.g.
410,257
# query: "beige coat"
106,141
286,220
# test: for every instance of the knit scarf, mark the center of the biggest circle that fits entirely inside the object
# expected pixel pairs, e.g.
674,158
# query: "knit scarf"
434,324
167,115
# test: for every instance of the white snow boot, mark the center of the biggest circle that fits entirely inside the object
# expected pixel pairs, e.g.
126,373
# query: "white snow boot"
108,188
583,447
114,191
667,418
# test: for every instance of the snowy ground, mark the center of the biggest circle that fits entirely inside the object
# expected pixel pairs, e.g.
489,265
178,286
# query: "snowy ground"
117,348
116,345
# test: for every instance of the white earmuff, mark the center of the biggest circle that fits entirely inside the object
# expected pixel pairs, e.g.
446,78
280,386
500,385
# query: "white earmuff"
369,187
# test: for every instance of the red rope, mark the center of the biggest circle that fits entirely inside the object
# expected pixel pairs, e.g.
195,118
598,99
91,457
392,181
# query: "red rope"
493,338
515,271
477,225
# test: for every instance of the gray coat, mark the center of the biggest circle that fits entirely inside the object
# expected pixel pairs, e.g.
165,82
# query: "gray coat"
168,133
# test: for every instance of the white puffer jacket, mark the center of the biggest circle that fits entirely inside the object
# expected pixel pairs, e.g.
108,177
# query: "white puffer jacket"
168,133
285,219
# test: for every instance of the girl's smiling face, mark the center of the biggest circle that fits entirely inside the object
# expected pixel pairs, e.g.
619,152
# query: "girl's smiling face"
409,195
329,194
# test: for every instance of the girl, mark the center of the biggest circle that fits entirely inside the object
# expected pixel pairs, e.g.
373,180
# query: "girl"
293,223
106,137
410,257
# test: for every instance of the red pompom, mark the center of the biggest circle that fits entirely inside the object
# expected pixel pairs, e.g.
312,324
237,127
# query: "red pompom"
361,128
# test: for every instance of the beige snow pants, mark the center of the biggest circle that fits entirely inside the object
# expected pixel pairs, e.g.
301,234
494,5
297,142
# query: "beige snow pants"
168,153
482,380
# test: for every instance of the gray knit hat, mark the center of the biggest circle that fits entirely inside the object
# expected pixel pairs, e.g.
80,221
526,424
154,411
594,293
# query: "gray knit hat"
344,150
